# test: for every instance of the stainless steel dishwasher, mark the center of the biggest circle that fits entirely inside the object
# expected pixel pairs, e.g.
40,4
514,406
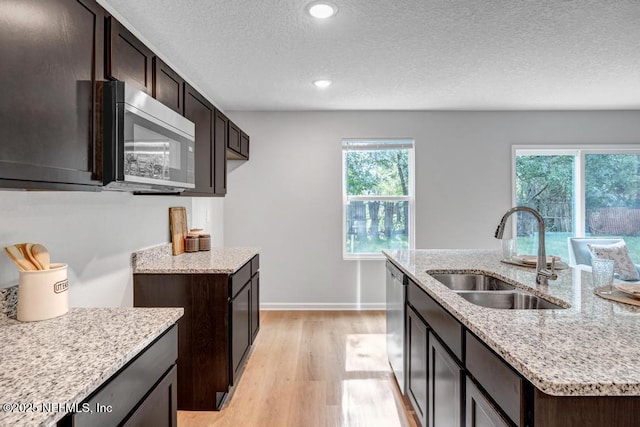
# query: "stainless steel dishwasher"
396,311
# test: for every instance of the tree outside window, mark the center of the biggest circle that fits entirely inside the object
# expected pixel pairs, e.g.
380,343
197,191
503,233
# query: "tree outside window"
580,192
378,196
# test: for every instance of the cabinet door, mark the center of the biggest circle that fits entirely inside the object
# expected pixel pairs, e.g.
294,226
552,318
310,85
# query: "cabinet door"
48,86
220,153
159,408
244,145
168,86
479,411
239,310
201,112
445,397
255,305
128,59
234,137
417,364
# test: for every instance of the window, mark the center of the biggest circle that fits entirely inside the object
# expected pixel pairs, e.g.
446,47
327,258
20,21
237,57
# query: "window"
580,192
377,193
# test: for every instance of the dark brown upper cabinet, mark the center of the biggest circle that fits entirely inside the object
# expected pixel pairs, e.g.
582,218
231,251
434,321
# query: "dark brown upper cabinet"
49,76
220,149
210,173
128,59
168,86
237,143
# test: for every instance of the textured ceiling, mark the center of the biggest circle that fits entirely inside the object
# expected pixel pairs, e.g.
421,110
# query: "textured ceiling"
400,55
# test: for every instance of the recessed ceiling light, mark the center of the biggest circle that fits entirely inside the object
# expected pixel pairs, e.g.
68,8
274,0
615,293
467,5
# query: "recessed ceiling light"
322,10
322,83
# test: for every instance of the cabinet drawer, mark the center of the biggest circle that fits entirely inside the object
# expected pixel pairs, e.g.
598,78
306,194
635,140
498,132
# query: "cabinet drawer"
255,264
126,388
497,378
239,279
448,329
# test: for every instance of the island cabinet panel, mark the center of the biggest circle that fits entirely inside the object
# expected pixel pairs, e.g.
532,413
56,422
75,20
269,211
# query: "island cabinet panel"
479,411
445,386
203,338
144,388
417,364
128,59
168,86
497,378
49,86
586,411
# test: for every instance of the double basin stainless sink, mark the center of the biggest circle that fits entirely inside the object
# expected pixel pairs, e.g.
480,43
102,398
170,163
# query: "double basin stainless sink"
491,292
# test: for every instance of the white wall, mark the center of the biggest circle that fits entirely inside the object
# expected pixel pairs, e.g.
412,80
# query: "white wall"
287,198
95,233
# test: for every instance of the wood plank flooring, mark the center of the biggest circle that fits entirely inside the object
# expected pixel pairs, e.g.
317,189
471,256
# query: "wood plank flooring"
314,369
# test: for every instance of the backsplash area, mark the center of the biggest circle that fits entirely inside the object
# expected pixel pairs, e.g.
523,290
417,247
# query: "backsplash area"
95,234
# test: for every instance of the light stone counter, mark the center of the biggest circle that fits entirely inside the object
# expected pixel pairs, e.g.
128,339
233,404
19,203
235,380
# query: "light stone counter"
591,348
63,360
218,260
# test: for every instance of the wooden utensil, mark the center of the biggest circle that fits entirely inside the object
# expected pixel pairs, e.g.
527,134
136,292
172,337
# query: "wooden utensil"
40,256
178,228
29,256
18,257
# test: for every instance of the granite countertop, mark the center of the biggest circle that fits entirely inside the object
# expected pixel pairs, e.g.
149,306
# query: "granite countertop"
588,349
63,360
218,260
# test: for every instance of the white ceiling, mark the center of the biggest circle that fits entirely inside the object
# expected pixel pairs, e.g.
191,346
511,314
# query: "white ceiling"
400,55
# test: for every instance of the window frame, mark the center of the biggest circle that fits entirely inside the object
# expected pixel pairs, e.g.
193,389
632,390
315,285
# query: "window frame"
410,198
579,151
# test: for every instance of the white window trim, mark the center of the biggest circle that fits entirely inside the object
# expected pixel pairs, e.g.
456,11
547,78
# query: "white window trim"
410,198
579,151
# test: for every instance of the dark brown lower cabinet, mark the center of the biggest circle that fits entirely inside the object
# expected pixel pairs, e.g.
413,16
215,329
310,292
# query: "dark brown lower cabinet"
255,305
214,332
417,363
479,411
160,407
143,393
240,307
445,386
454,379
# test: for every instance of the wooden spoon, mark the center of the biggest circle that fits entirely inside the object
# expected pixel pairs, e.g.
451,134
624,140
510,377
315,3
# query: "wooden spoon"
19,259
27,255
40,256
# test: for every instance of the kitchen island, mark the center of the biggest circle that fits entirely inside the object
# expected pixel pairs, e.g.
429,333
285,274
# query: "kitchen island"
53,367
583,357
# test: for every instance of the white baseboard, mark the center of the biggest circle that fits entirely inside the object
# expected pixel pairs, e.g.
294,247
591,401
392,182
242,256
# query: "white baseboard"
337,306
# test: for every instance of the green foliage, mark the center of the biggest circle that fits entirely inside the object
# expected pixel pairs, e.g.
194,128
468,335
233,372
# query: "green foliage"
377,172
612,180
541,178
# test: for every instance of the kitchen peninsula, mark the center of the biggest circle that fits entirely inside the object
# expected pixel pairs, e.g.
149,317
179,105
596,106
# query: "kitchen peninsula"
220,292
576,365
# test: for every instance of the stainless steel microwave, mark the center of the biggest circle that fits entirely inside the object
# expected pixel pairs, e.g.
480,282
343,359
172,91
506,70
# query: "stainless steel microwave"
146,147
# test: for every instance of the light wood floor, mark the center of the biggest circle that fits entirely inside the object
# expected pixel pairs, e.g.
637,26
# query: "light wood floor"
314,368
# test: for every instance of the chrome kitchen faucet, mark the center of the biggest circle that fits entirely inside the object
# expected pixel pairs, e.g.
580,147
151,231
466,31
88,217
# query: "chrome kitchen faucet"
542,274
